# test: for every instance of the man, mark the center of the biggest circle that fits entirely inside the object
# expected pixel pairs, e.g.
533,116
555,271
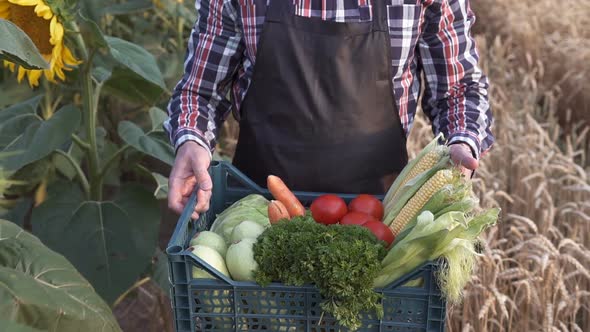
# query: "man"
325,91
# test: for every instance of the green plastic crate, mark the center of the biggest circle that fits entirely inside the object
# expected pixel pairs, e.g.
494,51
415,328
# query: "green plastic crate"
225,305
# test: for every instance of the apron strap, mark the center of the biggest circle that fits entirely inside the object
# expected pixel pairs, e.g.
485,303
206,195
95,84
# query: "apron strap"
380,15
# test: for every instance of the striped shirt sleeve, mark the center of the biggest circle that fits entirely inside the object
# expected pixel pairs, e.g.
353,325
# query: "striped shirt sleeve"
199,102
456,90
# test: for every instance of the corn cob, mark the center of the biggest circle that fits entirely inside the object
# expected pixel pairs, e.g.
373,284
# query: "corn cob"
418,200
425,163
428,158
451,197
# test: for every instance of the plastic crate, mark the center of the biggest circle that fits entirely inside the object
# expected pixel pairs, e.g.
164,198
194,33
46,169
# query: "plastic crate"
225,305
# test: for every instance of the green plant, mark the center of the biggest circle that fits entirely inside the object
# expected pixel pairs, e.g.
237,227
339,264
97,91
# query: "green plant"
88,175
42,291
28,269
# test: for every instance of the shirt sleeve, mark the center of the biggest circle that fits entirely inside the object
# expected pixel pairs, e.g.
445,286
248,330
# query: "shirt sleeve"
200,102
456,90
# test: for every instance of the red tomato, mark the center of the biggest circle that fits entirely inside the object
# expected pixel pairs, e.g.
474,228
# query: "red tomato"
356,218
328,209
381,231
367,204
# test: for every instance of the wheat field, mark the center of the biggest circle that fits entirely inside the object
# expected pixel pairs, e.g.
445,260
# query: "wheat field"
534,273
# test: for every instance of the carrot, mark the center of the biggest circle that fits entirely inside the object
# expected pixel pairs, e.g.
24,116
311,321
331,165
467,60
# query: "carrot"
281,192
277,211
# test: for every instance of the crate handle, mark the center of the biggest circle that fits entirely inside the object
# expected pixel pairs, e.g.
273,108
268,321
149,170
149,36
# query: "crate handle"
186,215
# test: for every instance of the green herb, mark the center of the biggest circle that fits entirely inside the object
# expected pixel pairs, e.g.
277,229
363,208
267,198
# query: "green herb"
342,261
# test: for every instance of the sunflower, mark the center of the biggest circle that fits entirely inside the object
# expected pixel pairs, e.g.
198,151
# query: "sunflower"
43,25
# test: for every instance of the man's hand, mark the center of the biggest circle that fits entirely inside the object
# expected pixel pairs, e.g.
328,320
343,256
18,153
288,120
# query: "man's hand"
462,156
190,170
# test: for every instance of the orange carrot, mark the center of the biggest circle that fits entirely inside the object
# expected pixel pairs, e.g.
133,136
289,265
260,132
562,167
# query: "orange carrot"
277,211
281,192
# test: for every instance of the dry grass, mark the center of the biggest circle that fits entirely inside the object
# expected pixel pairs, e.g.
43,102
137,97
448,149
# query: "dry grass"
554,38
535,274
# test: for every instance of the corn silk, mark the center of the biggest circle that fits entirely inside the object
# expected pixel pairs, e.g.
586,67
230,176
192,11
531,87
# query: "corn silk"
452,236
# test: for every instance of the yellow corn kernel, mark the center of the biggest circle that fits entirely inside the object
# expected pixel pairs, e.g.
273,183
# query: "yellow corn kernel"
425,163
417,202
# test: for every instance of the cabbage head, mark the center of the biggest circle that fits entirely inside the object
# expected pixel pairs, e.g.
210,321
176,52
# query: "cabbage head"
252,207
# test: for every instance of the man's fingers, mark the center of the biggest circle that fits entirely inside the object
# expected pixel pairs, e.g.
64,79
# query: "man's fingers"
203,199
461,156
189,173
204,180
466,172
175,197
189,186
204,192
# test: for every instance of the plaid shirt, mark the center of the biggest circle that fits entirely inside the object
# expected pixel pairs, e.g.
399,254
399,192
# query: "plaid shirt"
432,37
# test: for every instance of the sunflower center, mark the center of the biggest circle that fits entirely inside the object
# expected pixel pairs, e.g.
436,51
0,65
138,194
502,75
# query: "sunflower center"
34,26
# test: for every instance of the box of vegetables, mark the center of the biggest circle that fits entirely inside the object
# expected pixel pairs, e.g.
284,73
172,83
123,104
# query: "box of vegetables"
270,259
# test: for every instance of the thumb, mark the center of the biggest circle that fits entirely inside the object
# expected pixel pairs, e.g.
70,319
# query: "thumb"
462,156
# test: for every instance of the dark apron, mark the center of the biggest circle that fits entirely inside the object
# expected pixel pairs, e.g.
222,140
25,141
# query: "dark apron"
320,111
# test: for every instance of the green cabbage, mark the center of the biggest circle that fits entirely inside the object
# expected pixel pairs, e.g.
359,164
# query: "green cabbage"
252,207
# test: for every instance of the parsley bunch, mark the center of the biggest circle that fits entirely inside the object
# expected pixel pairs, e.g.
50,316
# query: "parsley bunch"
342,261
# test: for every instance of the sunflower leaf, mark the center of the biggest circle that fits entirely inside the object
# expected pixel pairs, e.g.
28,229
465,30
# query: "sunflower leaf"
16,327
161,191
150,143
128,7
109,242
136,59
17,47
40,287
41,138
158,117
93,36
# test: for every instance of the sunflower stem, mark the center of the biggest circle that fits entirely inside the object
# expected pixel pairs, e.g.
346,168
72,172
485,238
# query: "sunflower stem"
48,108
90,103
79,172
80,142
90,110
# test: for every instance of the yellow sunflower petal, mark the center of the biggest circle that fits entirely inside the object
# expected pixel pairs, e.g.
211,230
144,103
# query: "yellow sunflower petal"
34,76
50,36
25,2
21,73
9,65
49,75
56,54
60,73
69,58
57,31
42,10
